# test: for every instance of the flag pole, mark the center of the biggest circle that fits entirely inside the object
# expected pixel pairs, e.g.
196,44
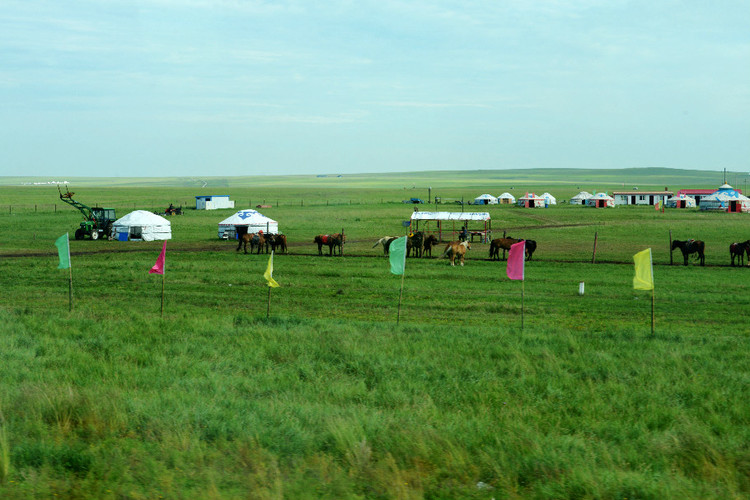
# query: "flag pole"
163,279
268,308
652,311
70,288
523,290
400,293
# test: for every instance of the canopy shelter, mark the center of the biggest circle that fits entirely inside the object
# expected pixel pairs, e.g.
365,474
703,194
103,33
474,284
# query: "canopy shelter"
551,200
726,199
252,220
580,198
448,224
680,201
601,200
485,199
141,225
506,199
530,200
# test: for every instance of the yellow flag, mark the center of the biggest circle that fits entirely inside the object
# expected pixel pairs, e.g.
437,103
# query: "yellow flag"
644,271
269,273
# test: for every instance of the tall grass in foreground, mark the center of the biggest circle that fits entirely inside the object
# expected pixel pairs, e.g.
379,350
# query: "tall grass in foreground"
234,406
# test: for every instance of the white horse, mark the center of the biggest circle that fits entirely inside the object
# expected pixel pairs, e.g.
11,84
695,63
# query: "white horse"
386,242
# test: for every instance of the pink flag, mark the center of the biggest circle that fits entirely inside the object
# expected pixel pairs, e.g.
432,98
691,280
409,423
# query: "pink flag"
516,261
159,266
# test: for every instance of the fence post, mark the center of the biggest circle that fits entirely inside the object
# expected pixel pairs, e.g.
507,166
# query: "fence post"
593,257
670,247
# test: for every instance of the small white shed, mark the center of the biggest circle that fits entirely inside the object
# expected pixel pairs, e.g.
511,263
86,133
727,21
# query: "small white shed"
213,202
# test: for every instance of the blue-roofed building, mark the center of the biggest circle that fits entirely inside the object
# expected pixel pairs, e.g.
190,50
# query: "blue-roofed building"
726,199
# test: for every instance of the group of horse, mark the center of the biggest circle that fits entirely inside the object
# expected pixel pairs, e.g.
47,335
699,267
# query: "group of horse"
262,241
419,245
737,250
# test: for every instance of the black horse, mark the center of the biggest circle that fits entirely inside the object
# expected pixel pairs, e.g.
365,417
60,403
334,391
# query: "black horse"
530,248
739,250
691,246
415,242
429,242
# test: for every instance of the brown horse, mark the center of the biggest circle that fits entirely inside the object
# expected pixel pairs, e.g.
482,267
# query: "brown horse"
429,242
332,240
497,244
386,242
691,246
280,240
456,249
739,250
251,239
414,242
505,244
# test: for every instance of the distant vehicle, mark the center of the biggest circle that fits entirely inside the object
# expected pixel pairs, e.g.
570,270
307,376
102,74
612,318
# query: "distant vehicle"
414,200
97,221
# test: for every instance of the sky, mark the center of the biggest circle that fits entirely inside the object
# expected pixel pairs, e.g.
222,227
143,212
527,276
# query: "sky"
229,88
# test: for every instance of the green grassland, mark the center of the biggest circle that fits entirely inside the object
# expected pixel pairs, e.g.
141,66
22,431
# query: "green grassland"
329,397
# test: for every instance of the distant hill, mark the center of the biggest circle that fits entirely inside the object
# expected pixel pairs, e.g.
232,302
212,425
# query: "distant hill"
627,177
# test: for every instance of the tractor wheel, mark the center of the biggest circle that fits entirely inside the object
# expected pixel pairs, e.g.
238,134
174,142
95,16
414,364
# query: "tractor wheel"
80,234
95,234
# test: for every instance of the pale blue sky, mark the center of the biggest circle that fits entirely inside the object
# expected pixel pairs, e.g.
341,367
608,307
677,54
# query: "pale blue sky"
199,87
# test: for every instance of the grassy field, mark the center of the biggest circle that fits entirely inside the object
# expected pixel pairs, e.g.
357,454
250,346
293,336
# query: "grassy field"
329,397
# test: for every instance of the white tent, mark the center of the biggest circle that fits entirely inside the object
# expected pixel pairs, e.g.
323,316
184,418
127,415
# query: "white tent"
551,200
601,200
726,199
530,200
506,199
580,198
680,201
142,225
252,219
485,199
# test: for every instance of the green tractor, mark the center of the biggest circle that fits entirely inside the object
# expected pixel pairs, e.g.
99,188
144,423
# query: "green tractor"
96,221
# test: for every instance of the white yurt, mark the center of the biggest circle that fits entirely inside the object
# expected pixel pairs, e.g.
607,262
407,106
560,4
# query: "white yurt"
485,199
530,200
680,201
726,199
551,200
580,198
253,220
506,199
601,200
142,225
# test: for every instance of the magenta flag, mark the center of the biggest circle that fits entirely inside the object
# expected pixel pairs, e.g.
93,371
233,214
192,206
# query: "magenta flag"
516,261
159,266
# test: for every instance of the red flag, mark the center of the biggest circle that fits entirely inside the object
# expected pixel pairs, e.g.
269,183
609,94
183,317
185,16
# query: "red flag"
516,261
159,266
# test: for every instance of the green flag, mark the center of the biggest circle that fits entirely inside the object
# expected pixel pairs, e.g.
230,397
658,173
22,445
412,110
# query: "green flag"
63,250
397,255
